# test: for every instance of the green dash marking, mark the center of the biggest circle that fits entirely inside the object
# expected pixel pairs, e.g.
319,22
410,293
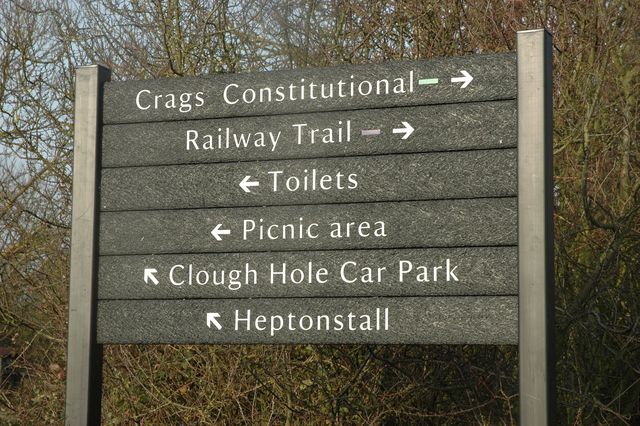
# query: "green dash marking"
428,81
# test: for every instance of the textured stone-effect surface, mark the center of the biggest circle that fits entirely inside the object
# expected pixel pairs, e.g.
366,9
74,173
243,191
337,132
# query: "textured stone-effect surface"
434,320
444,223
468,174
494,78
479,271
481,125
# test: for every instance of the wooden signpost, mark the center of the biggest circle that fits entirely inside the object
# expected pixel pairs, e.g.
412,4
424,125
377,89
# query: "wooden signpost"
396,203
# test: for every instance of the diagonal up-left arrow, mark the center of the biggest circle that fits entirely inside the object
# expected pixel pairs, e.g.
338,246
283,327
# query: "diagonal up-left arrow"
212,319
148,275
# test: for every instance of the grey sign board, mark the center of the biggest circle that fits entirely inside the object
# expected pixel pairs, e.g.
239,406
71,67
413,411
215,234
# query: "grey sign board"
439,81
429,128
439,223
376,181
318,320
430,176
388,186
462,271
406,202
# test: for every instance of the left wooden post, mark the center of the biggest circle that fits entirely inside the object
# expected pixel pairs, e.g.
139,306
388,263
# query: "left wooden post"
84,355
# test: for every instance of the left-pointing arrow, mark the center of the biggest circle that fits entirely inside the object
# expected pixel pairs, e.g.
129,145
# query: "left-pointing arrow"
218,231
148,275
246,184
211,319
407,130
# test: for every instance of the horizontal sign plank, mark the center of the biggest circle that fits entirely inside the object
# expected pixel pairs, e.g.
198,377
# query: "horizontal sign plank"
400,272
481,125
419,320
437,81
468,174
473,222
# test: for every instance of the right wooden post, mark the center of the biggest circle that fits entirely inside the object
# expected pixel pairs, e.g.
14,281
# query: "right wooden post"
535,229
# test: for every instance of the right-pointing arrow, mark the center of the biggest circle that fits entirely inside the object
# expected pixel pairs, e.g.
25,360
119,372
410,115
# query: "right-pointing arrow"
407,130
211,319
246,184
464,80
148,275
217,232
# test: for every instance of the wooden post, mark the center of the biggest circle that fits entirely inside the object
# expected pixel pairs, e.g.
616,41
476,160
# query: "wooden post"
535,229
84,356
